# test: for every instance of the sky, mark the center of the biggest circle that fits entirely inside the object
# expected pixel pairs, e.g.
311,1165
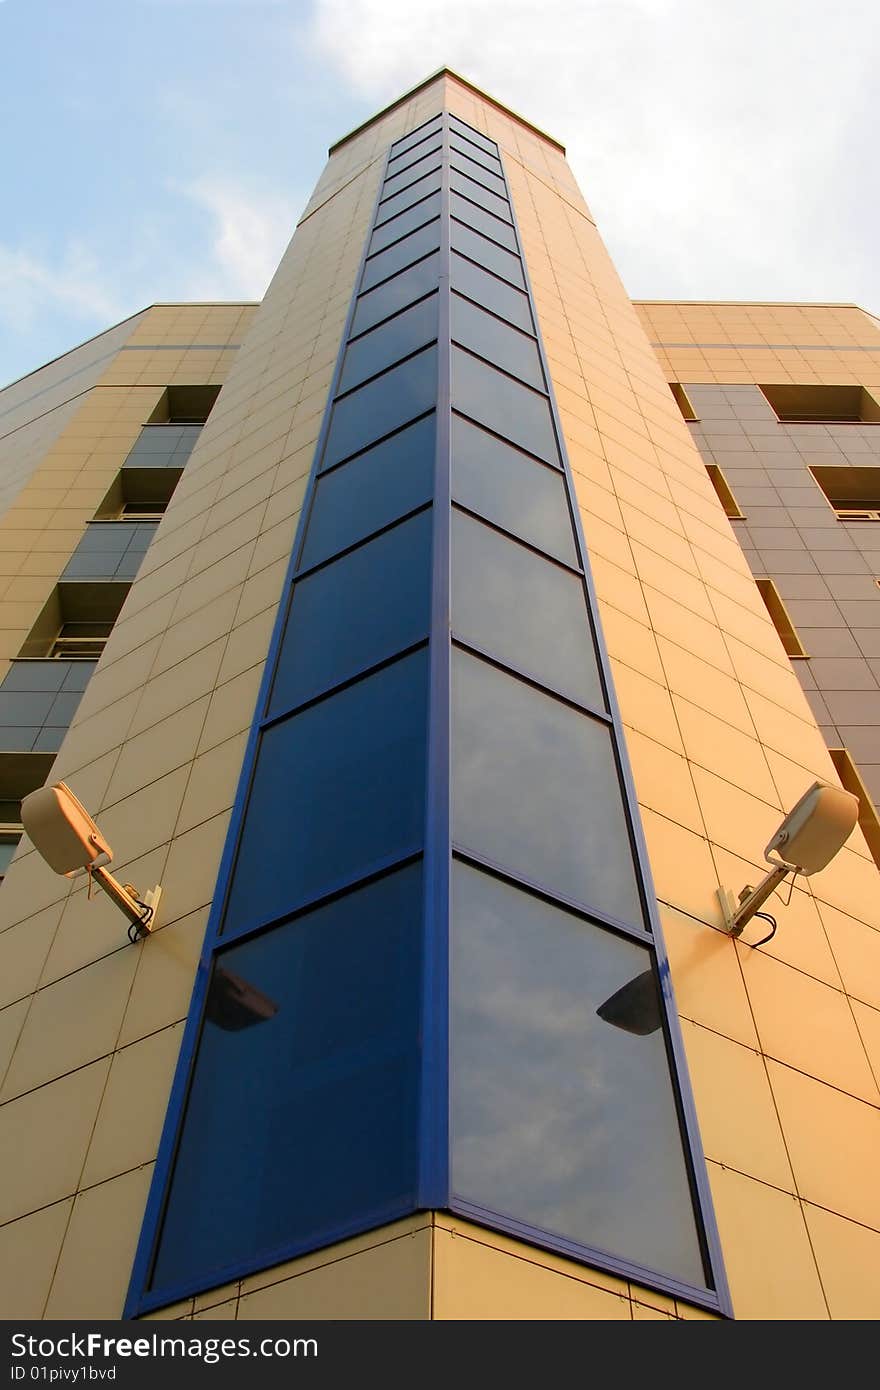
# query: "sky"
163,149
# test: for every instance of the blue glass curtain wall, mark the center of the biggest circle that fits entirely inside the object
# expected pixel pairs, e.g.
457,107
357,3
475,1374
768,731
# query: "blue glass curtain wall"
432,976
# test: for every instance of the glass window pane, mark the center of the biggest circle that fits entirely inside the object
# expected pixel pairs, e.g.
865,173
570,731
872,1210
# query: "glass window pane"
483,222
302,1116
476,137
382,406
395,338
415,137
469,150
395,294
506,407
522,609
498,342
371,490
414,169
405,223
494,294
390,207
560,1119
486,253
477,171
354,612
511,489
402,253
337,789
460,183
7,850
535,789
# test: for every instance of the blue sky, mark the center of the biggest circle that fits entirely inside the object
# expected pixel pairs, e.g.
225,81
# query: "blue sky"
163,149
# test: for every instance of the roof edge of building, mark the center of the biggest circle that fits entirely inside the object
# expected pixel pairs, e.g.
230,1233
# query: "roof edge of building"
763,303
463,81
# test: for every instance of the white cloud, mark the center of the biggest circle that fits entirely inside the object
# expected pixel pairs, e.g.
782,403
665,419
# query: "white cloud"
250,234
713,141
73,284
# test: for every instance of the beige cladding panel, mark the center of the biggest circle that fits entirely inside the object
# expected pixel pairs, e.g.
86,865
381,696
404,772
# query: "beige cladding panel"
156,746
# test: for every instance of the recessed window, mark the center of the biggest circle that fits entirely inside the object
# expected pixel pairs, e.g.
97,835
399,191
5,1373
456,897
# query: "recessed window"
76,620
723,491
185,405
851,781
84,640
682,400
835,405
853,492
775,606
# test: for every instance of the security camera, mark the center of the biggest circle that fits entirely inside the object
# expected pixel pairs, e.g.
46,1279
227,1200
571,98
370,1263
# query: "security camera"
806,841
63,832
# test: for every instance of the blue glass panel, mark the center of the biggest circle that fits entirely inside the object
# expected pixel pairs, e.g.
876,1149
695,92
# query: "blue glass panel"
536,790
484,222
508,408
560,1119
396,293
371,490
390,207
395,338
476,137
497,341
461,183
405,223
415,137
511,489
476,171
522,609
302,1115
337,789
494,294
355,612
414,170
487,253
469,150
382,406
401,254
35,675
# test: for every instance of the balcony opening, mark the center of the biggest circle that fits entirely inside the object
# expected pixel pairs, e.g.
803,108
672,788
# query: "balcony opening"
851,781
139,494
682,400
76,620
775,606
184,405
832,405
724,492
853,492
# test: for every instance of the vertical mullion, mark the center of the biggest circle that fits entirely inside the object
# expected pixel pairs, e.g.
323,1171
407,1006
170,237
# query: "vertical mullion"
433,1178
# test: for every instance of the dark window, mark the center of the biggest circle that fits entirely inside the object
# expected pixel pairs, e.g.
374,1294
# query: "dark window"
462,183
38,700
392,340
536,790
415,137
302,1115
395,294
476,171
496,295
486,253
337,789
405,223
355,612
163,446
110,550
414,170
522,609
559,1118
501,344
511,489
8,846
390,207
483,222
382,406
510,409
476,137
371,490
401,254
466,147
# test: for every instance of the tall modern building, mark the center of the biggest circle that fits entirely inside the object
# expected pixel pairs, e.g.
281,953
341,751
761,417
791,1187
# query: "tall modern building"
442,633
